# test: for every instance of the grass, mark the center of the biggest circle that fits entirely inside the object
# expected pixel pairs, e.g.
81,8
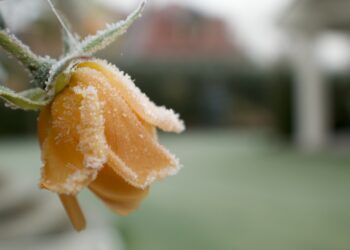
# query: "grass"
242,192
236,191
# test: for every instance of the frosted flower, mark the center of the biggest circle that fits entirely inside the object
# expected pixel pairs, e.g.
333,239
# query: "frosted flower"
96,129
100,133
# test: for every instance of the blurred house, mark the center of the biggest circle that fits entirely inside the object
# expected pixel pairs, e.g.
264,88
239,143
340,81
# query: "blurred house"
190,61
178,32
306,21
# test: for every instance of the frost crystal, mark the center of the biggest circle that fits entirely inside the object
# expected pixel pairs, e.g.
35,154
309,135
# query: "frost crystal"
75,181
159,116
92,143
103,38
134,152
168,171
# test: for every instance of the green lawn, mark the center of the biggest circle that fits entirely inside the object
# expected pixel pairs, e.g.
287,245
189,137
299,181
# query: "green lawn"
244,192
236,191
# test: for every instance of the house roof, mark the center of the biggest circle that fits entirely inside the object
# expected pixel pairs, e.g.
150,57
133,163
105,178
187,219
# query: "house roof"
178,32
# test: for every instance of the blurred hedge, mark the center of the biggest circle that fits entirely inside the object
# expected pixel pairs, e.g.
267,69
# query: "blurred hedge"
214,93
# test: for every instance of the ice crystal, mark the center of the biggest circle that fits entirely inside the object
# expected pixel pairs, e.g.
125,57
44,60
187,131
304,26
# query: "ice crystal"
138,146
160,116
103,38
92,143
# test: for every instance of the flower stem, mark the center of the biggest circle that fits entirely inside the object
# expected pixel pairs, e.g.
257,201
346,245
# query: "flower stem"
76,216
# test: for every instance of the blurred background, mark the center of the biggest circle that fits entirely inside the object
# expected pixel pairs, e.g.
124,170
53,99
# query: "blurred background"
264,89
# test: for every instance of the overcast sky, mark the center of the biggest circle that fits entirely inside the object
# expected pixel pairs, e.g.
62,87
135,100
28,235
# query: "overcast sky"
252,22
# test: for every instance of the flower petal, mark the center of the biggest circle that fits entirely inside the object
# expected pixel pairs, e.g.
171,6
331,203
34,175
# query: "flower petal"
134,152
165,119
44,123
119,195
75,147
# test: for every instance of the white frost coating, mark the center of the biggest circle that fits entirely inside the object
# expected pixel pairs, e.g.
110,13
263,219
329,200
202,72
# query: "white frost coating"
164,172
160,116
168,171
115,30
63,24
125,169
60,123
142,178
152,176
92,141
75,181
103,38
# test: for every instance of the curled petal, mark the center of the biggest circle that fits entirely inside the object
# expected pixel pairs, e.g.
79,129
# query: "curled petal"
165,119
119,195
134,152
74,148
44,122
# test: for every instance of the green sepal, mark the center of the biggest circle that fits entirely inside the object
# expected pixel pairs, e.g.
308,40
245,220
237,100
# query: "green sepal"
69,45
53,76
61,82
32,99
70,39
103,38
38,66
37,98
60,76
35,94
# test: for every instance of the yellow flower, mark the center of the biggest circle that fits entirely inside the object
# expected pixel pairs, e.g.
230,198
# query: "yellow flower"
100,133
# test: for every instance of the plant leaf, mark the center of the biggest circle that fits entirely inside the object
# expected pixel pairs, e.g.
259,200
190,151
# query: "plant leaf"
70,41
35,94
103,38
69,45
60,75
32,99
